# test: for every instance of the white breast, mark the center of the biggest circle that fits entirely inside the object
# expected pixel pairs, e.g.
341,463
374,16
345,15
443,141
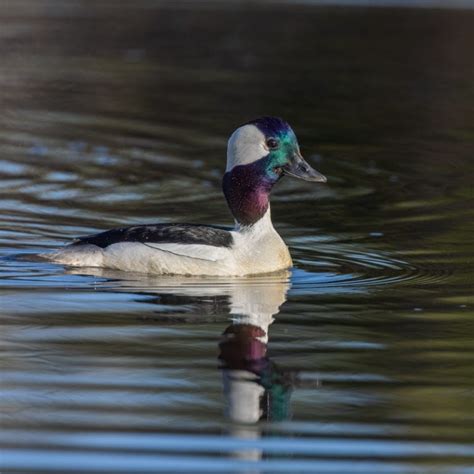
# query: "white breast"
259,248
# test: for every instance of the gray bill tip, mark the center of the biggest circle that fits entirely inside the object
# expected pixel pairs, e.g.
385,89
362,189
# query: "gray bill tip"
298,167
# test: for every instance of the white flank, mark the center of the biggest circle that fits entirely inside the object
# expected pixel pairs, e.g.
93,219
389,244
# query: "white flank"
200,252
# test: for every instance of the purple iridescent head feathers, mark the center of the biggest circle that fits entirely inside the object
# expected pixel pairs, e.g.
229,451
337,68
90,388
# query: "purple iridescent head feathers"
259,153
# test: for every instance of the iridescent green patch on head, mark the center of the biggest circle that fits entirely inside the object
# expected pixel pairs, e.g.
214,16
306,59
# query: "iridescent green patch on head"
281,149
280,141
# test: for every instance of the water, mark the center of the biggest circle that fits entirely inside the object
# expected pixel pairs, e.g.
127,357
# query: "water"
358,360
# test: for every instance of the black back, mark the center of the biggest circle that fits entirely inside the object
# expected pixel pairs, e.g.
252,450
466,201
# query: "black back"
162,233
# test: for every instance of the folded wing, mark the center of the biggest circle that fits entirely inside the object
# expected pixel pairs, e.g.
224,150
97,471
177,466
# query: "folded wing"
187,240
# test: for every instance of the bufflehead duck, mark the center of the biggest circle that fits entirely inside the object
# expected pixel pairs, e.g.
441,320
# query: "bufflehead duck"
259,154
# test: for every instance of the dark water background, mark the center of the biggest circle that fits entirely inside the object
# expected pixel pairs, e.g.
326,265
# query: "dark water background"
117,113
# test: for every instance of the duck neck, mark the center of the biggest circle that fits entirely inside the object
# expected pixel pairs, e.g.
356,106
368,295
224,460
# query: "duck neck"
247,191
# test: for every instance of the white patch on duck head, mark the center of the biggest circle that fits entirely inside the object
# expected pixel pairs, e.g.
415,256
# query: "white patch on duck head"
245,145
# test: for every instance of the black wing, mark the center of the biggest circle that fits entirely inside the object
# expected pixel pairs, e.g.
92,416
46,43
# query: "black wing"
162,233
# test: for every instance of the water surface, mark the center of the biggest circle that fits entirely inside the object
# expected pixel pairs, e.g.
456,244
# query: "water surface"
358,360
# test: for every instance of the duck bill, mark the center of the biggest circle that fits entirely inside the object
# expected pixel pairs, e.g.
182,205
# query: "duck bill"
298,167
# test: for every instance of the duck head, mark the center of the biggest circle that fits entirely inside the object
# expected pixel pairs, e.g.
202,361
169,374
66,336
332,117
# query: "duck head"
259,154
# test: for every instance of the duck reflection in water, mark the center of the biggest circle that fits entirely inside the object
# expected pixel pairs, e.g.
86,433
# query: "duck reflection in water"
255,387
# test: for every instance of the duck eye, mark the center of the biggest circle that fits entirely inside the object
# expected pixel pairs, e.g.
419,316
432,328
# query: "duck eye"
272,143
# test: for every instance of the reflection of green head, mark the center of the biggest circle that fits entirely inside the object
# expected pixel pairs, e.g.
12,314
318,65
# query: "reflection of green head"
278,390
242,350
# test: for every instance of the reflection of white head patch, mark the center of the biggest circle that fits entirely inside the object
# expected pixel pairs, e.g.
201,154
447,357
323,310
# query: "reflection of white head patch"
246,145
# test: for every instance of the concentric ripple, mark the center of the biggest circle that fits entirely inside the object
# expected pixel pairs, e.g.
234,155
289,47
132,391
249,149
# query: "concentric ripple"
352,267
